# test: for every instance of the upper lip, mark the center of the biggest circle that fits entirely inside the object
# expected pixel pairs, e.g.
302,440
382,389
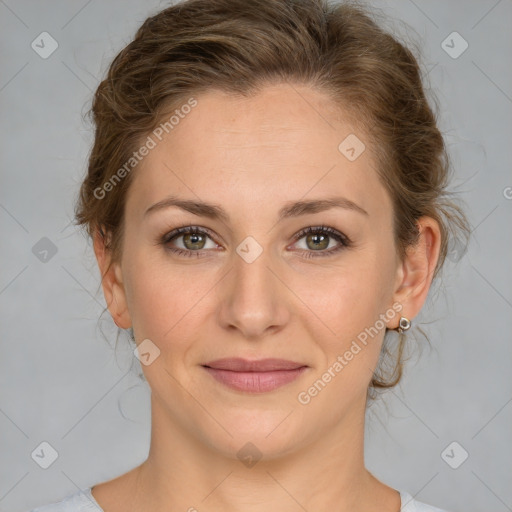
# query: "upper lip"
238,364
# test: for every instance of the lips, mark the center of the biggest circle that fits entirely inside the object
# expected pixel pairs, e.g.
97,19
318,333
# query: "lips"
254,376
261,365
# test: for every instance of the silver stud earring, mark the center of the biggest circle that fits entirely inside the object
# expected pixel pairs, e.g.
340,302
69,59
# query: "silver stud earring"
403,325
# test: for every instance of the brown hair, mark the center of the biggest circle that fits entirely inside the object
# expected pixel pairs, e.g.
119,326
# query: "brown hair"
239,46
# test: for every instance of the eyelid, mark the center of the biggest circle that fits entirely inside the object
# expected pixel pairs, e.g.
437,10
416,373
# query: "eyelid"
334,233
168,236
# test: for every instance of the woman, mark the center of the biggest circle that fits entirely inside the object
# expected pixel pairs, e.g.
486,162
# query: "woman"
267,199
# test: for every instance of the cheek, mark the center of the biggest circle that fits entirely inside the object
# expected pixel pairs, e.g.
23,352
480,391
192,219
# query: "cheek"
165,299
351,346
352,315
351,302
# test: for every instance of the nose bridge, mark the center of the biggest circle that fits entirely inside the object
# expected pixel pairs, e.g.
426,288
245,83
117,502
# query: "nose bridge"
254,301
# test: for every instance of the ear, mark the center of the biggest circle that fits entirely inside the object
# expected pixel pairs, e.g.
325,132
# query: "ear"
415,273
112,283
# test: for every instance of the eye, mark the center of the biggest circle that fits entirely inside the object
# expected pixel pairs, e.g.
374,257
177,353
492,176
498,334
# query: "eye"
194,240
318,239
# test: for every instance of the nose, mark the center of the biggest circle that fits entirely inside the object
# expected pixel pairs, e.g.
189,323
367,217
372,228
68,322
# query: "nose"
253,298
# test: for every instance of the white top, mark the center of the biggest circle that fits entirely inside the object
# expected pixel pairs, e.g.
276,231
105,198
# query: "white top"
83,501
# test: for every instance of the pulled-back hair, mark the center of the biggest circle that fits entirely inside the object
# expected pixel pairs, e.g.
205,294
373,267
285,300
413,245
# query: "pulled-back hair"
240,46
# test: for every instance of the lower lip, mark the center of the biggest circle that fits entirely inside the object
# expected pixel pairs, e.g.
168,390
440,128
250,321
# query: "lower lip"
255,382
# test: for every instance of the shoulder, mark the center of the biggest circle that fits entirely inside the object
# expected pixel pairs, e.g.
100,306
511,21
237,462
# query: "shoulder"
409,504
80,501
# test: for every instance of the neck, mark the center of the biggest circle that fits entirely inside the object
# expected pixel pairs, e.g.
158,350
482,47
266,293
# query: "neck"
328,473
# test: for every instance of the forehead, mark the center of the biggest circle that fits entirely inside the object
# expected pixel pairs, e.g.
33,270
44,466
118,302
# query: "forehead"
280,144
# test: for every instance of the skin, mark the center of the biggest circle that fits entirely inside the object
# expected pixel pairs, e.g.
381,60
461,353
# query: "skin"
251,156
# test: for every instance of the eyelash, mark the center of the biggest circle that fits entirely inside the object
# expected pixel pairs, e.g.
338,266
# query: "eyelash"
344,241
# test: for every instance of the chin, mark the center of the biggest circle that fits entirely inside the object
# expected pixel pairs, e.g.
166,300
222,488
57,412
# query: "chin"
261,434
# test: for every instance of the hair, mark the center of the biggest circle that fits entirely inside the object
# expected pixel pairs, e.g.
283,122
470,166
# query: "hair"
241,46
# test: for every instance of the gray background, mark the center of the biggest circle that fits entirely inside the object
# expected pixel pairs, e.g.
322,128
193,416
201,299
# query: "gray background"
62,382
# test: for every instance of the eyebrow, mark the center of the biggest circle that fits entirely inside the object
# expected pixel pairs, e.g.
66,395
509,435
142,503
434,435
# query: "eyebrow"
291,209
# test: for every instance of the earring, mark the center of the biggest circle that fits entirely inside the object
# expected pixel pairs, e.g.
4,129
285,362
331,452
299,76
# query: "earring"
403,325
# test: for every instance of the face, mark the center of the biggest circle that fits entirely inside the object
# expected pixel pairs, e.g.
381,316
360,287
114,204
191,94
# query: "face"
251,282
